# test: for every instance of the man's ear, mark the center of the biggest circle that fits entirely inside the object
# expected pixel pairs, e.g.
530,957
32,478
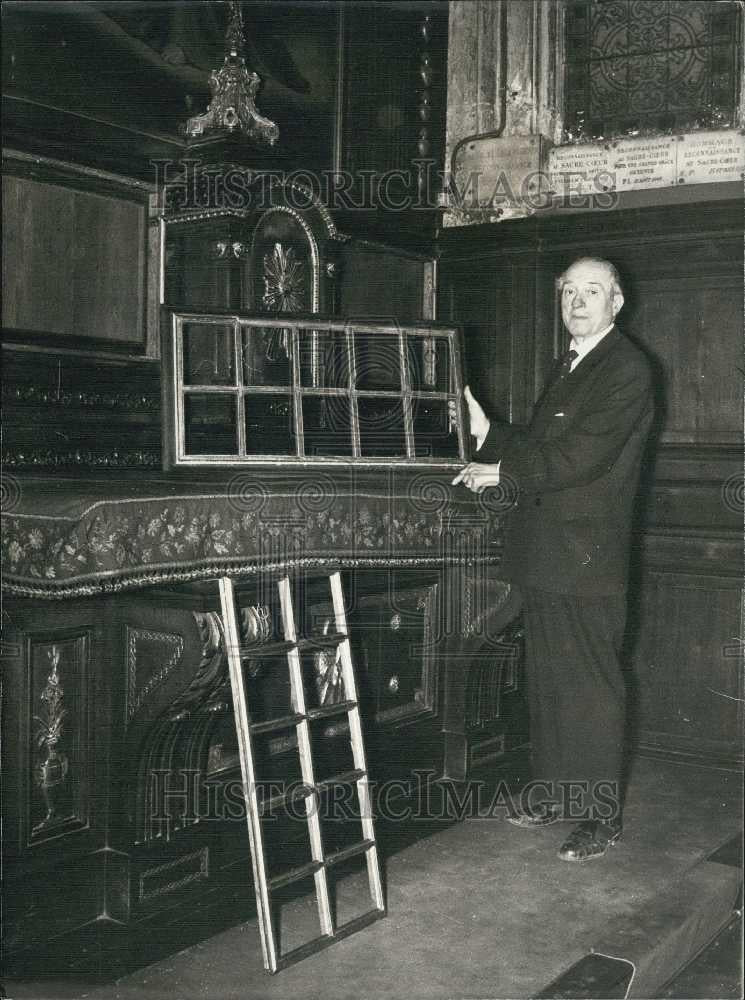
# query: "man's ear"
617,303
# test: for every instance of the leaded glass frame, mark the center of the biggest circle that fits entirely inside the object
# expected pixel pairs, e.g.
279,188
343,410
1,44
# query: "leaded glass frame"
303,389
650,66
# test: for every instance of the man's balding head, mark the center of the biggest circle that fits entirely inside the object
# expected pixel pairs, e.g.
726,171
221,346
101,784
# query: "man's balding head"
600,262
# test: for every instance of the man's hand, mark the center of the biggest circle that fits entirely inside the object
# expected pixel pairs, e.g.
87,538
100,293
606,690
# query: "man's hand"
477,419
476,476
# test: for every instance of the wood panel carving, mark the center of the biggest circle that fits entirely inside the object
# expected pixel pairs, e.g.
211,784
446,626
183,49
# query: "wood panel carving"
494,677
67,411
58,764
160,880
151,656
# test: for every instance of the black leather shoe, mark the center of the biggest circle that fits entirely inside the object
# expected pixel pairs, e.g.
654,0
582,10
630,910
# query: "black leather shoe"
542,814
590,840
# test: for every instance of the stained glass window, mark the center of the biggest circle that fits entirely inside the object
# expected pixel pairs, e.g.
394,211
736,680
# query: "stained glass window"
650,65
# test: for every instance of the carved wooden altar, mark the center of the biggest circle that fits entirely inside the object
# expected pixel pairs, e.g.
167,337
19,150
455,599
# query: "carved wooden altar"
122,797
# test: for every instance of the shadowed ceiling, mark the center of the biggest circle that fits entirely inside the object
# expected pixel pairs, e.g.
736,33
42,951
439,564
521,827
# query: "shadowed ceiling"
142,68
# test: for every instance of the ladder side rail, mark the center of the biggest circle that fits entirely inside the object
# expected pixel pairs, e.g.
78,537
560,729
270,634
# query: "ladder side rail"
253,818
357,741
312,802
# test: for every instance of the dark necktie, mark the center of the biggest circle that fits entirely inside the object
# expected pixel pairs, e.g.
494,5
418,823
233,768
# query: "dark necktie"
561,369
565,363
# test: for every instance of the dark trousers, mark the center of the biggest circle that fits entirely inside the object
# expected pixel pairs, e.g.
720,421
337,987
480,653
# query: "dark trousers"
576,694
575,691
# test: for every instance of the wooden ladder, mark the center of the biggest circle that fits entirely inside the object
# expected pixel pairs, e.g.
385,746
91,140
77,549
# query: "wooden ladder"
300,718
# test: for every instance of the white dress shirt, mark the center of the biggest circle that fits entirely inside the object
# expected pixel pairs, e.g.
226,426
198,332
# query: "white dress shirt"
584,346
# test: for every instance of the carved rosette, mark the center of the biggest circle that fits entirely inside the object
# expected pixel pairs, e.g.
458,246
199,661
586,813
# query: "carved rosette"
284,284
284,291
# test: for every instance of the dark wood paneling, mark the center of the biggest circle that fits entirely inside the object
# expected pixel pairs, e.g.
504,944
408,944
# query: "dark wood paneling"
381,285
37,262
685,323
76,258
393,120
688,666
480,301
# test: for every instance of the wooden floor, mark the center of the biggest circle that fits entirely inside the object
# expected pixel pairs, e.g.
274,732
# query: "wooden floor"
484,909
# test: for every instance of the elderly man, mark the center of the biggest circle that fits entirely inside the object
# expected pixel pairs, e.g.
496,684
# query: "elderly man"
575,471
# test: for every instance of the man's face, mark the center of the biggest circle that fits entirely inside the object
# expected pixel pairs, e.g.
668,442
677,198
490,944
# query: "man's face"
588,303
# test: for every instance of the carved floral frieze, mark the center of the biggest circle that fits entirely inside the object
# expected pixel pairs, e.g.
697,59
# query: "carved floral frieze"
199,536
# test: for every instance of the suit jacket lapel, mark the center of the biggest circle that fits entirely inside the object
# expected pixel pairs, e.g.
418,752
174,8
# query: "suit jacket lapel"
571,386
586,365
596,355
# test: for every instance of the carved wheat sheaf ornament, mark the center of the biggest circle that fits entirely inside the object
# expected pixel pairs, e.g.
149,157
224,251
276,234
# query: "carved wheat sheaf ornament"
234,88
51,771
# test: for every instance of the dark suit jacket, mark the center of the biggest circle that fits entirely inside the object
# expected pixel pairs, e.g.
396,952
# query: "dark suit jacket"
575,470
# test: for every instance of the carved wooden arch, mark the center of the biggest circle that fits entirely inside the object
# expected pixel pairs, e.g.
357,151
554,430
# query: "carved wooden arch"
289,252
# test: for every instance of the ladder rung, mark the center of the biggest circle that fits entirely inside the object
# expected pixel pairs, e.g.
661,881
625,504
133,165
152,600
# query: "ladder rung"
282,722
343,778
319,943
343,717
283,798
322,641
348,852
264,650
338,708
295,874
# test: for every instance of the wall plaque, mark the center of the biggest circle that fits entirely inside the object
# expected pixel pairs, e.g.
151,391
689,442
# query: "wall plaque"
641,164
491,173
710,156
579,170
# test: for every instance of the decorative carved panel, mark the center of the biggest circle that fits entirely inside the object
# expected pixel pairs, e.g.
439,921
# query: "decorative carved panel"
284,269
494,676
173,875
69,411
151,656
59,748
